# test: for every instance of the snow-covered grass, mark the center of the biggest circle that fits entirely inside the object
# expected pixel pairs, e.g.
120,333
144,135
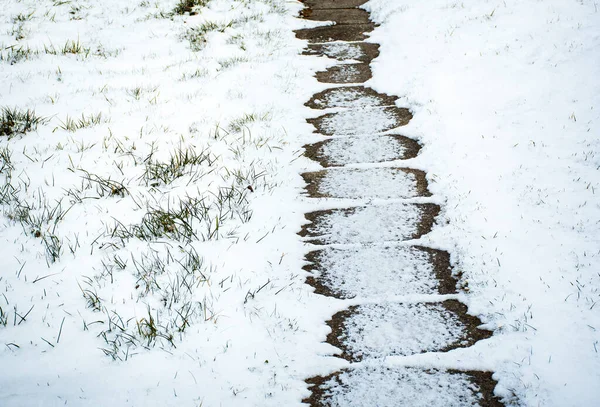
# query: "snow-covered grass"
506,100
148,172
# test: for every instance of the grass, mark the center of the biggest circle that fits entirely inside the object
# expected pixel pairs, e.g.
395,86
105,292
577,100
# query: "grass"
15,121
72,125
182,162
165,278
187,6
237,125
197,35
17,53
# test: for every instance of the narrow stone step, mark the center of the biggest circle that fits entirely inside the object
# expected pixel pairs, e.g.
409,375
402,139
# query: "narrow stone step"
332,4
343,51
361,121
396,329
380,271
368,224
364,183
339,16
350,97
341,151
331,33
403,387
346,73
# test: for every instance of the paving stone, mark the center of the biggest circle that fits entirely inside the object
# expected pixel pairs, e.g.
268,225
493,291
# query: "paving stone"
339,16
403,387
343,51
346,73
354,122
350,97
332,4
366,183
340,151
396,329
379,271
333,33
368,224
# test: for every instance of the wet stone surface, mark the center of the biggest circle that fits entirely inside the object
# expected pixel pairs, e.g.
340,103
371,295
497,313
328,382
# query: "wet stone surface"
350,97
403,387
346,73
341,51
340,151
339,16
361,121
357,32
375,183
379,271
368,224
397,329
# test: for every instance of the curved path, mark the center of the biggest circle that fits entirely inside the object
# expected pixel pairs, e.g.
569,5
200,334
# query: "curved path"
367,252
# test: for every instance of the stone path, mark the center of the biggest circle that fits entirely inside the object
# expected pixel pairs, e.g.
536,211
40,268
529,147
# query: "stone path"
367,252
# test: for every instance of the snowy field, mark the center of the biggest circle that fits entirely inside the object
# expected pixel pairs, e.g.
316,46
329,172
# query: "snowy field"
150,195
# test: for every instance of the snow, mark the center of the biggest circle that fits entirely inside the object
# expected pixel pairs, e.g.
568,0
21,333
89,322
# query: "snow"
362,149
375,183
347,73
148,247
202,302
389,329
348,97
366,224
400,387
505,98
366,121
343,50
376,271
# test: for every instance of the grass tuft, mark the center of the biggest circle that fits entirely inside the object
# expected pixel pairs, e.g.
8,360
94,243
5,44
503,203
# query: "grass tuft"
187,6
15,121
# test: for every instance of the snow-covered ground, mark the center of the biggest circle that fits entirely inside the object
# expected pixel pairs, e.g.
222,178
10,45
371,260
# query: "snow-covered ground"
148,234
148,247
506,100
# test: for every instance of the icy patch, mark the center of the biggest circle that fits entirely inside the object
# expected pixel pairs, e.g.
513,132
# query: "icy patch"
403,387
380,330
383,183
364,121
367,224
355,150
376,271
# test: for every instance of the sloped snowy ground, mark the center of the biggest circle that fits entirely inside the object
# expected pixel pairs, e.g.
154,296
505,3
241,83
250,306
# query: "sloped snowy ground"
506,100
